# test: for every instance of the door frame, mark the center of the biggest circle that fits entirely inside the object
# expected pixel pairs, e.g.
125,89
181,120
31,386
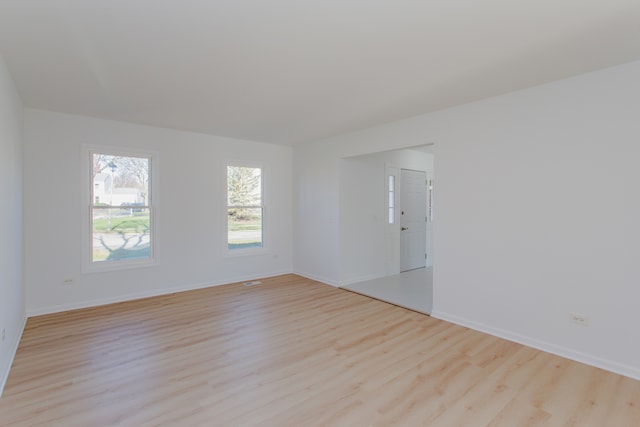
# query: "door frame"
423,214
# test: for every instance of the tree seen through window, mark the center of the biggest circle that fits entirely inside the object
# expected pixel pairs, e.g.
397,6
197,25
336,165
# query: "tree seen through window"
245,210
121,208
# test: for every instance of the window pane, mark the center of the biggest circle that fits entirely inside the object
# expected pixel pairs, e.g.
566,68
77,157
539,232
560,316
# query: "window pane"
244,186
244,228
121,234
120,180
392,204
120,219
244,207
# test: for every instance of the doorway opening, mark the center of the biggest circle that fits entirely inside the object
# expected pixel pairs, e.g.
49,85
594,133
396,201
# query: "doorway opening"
386,226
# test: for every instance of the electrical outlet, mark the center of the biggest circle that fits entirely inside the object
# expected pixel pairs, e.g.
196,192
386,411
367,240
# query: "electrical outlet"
68,281
579,319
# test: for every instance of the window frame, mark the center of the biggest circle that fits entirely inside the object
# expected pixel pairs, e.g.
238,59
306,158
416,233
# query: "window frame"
263,205
391,173
391,199
88,265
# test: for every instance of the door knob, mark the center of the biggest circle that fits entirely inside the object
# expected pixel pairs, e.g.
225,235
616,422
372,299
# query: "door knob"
404,228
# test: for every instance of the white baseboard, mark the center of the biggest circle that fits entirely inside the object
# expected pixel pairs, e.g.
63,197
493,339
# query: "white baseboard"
608,365
317,278
13,351
146,294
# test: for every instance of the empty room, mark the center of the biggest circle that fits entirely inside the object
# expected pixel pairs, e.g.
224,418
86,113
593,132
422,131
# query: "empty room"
319,213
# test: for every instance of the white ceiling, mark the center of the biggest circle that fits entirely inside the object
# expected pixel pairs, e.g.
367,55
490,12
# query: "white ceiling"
291,71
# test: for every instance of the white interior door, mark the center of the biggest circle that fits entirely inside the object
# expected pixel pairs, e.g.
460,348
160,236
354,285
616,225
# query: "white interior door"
413,215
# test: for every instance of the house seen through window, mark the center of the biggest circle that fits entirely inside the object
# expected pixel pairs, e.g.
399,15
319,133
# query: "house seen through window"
120,219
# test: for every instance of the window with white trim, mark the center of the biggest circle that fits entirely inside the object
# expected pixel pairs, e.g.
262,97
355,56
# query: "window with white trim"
120,220
245,208
391,199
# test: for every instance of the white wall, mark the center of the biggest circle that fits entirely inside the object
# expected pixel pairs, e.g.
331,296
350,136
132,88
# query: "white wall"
191,211
316,202
12,294
536,216
368,244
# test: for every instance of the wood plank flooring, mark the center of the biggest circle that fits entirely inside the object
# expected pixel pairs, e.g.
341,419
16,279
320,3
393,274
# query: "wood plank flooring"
293,352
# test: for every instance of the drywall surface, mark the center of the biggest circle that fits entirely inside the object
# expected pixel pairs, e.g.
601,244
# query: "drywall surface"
190,171
316,202
12,294
536,212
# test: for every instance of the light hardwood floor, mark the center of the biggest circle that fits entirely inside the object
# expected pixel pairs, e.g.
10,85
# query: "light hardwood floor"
293,352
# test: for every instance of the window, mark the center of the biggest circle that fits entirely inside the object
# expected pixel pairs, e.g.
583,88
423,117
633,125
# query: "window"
120,211
245,208
431,200
391,190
